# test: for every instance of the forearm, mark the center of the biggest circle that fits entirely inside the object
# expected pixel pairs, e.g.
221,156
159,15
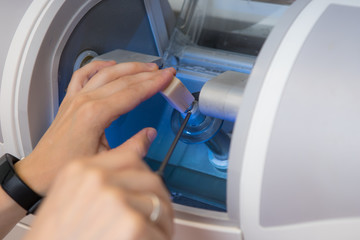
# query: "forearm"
10,213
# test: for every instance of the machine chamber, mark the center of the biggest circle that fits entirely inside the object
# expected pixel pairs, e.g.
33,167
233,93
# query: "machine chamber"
275,154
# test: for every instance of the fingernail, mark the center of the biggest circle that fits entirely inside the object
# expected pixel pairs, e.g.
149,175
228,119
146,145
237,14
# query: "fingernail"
151,134
169,70
172,70
152,65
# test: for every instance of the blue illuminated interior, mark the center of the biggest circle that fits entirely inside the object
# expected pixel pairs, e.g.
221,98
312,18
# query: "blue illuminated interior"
190,177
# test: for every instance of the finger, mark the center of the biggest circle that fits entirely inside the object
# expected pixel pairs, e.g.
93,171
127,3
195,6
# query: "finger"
154,234
128,98
146,181
118,160
140,142
128,81
103,144
128,155
117,71
139,227
138,182
102,108
144,204
82,75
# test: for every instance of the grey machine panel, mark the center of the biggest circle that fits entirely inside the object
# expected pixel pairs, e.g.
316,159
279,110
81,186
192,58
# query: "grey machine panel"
312,165
97,31
13,10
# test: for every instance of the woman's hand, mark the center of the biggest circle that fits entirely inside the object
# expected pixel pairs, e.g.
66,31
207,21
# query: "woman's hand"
98,94
107,196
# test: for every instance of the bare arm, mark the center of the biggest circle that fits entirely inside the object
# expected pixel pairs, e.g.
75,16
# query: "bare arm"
10,213
108,196
98,93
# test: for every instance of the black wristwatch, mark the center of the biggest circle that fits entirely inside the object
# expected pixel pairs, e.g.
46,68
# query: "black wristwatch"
15,187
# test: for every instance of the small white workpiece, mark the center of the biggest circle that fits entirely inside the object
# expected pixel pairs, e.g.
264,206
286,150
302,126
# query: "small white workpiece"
178,95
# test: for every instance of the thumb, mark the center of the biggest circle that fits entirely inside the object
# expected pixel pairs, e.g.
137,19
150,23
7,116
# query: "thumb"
140,142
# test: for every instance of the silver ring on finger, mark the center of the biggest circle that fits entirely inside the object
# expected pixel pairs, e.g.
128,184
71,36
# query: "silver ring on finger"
156,208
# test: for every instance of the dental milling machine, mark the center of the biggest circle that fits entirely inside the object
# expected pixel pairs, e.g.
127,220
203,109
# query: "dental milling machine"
263,113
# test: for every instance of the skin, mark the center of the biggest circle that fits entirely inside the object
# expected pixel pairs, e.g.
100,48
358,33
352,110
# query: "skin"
74,153
106,197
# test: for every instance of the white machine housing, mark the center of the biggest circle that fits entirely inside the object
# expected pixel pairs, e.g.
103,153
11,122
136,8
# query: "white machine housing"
295,149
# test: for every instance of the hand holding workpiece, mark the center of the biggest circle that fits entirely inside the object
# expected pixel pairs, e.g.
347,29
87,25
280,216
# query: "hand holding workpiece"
98,94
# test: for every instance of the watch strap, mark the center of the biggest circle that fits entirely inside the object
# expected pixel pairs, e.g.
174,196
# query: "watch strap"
16,188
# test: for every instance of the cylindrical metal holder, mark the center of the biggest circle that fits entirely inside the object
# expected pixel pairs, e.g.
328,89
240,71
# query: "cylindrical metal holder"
199,129
221,96
204,129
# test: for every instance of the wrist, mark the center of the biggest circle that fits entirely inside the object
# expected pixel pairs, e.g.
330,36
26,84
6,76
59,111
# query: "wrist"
9,207
26,170
10,213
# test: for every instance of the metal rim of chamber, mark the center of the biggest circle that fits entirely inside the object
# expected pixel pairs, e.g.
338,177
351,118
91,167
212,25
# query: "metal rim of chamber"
220,164
84,58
